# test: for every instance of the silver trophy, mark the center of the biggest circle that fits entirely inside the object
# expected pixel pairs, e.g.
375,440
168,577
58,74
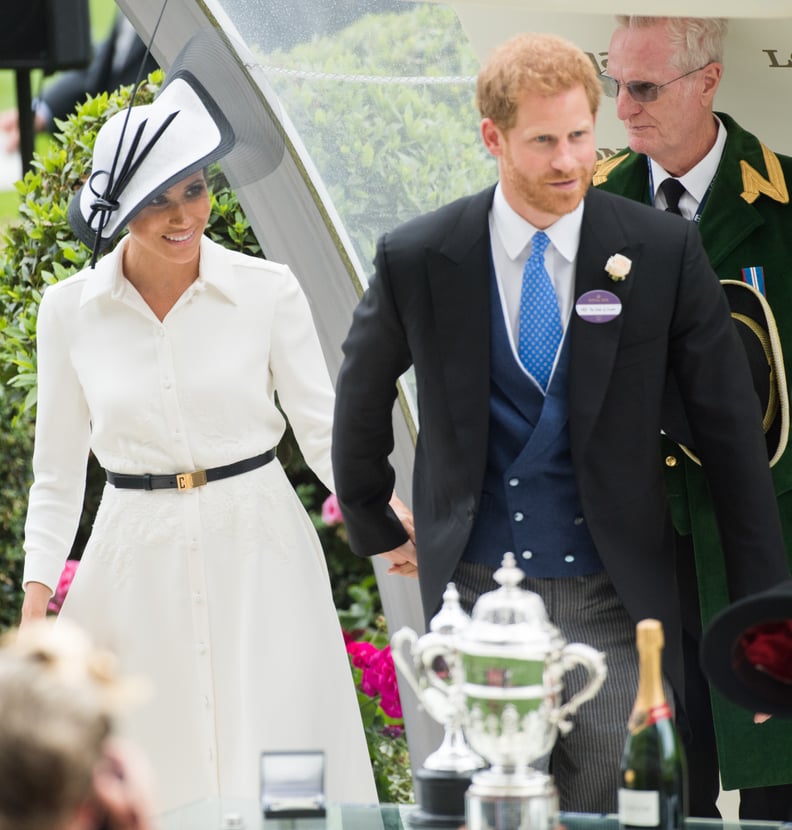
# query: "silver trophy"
510,662
430,664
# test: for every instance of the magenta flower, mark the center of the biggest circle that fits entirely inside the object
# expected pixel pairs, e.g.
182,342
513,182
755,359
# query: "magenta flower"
65,581
378,675
388,687
362,653
331,512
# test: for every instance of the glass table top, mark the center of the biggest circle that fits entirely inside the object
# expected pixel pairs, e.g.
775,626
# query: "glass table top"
245,814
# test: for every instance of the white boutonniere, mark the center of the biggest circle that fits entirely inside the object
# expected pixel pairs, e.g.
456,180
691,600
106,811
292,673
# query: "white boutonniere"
618,266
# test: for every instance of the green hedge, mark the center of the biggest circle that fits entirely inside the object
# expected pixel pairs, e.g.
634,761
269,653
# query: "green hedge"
388,149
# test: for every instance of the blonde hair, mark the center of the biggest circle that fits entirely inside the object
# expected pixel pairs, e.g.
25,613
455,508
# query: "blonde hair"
58,696
537,63
695,41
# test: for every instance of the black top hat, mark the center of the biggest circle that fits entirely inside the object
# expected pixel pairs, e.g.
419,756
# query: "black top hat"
757,328
746,651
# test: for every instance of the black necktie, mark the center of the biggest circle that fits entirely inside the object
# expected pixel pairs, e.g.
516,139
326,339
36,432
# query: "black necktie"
672,190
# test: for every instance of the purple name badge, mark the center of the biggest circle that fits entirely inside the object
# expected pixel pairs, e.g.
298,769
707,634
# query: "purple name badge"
598,306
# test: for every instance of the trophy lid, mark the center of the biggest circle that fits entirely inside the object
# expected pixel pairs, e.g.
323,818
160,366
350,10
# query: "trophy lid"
511,615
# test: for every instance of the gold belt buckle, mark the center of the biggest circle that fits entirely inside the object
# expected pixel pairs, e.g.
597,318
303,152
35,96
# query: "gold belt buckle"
186,481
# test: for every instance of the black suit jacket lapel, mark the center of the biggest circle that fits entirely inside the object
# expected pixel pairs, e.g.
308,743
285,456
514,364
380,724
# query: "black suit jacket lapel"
594,346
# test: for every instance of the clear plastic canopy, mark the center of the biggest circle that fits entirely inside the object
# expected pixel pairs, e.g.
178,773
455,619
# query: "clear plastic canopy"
380,93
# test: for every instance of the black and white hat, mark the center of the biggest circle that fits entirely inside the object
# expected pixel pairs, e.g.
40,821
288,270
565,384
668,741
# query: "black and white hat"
207,109
142,151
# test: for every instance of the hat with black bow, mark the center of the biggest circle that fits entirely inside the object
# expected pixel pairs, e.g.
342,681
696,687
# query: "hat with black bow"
207,109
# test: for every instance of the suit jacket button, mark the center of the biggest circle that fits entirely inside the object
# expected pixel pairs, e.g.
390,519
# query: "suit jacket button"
671,461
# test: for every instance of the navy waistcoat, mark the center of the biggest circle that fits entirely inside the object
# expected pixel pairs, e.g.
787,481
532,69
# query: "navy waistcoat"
529,502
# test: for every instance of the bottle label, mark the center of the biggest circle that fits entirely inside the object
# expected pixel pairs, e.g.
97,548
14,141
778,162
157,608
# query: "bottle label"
656,713
644,718
639,808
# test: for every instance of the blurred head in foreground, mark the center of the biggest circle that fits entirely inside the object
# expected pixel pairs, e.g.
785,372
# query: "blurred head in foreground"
59,767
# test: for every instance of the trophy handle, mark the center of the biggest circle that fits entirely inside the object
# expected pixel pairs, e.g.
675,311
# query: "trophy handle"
431,649
416,657
403,653
577,654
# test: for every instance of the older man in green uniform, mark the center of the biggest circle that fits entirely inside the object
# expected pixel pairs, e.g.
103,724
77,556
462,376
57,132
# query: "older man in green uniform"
684,157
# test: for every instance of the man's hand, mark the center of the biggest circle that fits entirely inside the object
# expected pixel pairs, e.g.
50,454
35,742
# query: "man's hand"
404,515
404,559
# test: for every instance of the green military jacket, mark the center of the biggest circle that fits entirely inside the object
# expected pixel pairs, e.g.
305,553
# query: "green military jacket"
746,222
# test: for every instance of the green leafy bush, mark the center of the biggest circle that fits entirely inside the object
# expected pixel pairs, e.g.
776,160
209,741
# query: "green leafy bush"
388,147
368,646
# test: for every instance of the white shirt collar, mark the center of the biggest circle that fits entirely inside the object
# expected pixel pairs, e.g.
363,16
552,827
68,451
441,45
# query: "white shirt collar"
108,277
515,233
697,180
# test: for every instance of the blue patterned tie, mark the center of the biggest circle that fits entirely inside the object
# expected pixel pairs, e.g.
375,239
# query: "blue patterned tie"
540,320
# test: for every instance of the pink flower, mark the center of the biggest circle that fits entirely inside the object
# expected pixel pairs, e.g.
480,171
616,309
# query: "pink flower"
388,687
378,674
362,653
369,682
331,512
65,581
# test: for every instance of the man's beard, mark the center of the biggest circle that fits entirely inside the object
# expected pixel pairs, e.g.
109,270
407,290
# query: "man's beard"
542,197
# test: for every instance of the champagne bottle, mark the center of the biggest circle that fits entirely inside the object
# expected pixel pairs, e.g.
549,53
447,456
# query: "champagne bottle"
653,791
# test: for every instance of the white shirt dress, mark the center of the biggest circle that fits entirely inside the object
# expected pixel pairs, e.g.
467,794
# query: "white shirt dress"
219,595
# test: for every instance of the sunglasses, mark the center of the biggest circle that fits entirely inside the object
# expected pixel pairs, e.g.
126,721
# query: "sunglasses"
644,92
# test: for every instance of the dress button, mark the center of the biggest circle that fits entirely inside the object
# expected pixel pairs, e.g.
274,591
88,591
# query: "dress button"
518,517
671,461
513,482
569,558
578,520
527,554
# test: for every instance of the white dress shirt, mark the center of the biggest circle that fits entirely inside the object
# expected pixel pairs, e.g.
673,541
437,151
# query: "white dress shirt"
511,237
696,181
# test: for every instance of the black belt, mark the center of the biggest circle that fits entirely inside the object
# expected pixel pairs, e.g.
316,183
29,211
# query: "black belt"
186,481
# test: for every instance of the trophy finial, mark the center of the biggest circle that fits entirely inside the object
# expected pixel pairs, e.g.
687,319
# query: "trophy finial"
451,618
508,575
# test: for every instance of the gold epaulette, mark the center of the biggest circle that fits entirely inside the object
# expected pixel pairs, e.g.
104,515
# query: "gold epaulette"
604,167
754,183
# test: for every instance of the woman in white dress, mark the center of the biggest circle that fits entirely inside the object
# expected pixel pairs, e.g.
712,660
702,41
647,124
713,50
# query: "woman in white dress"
164,360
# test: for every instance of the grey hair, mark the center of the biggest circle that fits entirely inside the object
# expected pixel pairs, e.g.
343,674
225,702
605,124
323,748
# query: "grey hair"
695,41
